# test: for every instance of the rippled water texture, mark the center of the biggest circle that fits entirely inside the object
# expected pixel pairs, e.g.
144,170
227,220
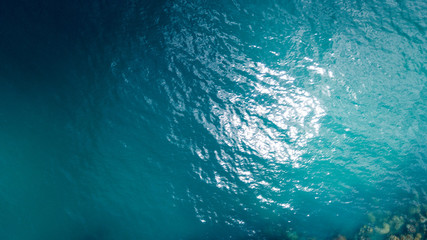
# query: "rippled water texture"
210,119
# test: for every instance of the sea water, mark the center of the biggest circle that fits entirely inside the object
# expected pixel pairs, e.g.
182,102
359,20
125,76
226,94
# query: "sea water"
174,119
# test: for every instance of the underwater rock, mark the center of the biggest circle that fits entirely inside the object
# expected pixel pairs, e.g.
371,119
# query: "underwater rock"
340,237
414,210
371,217
418,236
423,219
424,206
292,235
407,237
393,237
384,230
397,222
364,233
410,228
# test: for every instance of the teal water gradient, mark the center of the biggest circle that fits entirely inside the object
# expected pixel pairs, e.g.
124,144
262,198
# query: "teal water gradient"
209,119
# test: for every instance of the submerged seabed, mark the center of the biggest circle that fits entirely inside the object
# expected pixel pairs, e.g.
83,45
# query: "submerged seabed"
213,119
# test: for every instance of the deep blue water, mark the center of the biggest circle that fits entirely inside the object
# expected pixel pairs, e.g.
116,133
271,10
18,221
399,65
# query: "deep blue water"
210,119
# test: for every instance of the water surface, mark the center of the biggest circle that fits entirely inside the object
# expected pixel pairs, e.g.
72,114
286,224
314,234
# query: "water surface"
210,119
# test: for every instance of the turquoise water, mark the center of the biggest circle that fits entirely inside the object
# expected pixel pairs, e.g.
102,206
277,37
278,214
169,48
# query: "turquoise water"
210,119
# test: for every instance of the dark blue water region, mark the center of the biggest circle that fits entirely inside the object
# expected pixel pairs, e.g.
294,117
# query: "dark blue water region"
213,119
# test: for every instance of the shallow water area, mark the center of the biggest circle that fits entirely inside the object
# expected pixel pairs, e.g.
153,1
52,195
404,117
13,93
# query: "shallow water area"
213,120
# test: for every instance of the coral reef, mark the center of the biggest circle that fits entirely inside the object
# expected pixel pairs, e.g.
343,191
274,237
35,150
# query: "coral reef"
407,225
407,237
397,222
340,237
384,229
411,225
393,237
410,228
